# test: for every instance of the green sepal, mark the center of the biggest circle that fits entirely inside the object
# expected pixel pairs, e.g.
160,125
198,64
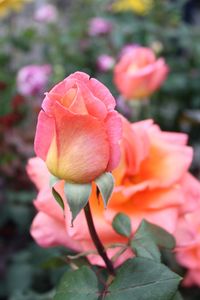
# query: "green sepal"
122,224
56,195
105,184
77,196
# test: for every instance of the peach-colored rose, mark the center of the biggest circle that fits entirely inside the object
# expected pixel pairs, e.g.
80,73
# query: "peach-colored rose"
138,73
188,233
149,184
78,131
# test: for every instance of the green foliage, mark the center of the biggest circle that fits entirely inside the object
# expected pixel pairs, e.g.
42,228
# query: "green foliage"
30,273
122,224
18,209
146,248
177,296
148,238
140,278
81,284
32,296
143,279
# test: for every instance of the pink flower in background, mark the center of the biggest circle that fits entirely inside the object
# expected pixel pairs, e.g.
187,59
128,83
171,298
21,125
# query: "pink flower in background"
105,62
46,14
139,73
78,130
32,79
99,26
128,48
151,182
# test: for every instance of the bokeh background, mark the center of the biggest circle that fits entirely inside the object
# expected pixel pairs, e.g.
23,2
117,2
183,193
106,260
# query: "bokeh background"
41,42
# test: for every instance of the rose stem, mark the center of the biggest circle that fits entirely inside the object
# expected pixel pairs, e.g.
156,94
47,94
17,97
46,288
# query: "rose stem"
100,248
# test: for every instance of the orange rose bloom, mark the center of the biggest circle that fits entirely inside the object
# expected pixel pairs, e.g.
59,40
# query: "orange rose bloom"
149,184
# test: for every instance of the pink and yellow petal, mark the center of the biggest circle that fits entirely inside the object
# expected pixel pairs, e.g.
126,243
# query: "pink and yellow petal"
75,154
45,132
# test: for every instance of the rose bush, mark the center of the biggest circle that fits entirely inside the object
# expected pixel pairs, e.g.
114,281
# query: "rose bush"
78,131
150,183
138,73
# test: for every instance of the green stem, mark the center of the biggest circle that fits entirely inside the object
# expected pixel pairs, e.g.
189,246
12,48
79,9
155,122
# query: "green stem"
97,242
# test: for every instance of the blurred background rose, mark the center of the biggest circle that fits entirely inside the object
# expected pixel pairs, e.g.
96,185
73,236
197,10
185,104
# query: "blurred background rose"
32,80
99,26
105,62
46,14
138,73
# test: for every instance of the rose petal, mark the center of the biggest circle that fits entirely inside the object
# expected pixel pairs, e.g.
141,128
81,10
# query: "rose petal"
38,172
44,134
114,131
103,93
76,154
48,232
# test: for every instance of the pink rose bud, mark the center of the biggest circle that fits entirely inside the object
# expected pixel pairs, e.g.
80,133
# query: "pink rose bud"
139,73
105,62
78,130
46,14
32,79
99,26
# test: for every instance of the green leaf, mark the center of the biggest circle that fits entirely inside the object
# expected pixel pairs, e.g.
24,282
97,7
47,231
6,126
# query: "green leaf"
53,262
143,279
177,297
22,282
30,295
157,234
56,195
122,224
147,240
105,184
146,248
81,284
77,196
